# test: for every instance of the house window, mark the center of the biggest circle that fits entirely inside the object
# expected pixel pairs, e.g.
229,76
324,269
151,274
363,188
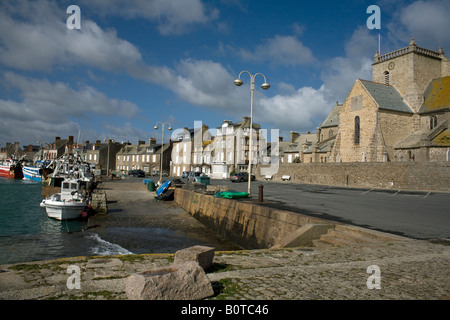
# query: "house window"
386,78
357,130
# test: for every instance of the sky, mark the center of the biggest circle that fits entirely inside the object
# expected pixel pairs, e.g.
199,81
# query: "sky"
134,63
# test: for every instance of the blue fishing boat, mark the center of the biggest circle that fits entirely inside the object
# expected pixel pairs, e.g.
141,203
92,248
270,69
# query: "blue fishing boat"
34,173
31,173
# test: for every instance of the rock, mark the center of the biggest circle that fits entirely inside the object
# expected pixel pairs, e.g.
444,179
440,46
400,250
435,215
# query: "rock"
201,254
186,281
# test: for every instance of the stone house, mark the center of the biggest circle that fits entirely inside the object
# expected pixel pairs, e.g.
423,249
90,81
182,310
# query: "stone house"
383,119
293,151
59,147
145,157
101,155
188,150
232,147
11,150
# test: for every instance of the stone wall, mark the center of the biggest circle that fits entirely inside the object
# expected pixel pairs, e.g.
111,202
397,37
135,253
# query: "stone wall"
243,222
433,176
98,202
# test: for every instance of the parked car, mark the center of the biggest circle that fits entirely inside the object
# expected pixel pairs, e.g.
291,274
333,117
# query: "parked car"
185,174
156,173
137,173
193,176
240,176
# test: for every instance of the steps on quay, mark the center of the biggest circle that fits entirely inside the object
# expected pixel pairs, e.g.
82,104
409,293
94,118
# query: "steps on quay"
346,235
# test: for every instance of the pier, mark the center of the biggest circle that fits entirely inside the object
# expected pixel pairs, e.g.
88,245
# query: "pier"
336,271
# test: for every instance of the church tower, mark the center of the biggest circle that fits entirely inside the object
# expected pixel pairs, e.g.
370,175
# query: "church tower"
409,70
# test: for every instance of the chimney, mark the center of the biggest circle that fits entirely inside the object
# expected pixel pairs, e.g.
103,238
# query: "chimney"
294,135
57,138
71,139
140,142
152,141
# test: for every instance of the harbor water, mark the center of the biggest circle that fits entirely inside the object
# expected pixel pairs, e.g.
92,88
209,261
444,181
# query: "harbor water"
27,234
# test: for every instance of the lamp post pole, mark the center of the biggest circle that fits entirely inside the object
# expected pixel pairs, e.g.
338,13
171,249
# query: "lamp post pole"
108,141
238,82
162,146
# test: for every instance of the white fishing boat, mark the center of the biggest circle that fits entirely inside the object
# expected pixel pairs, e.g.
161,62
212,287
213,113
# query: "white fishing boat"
70,203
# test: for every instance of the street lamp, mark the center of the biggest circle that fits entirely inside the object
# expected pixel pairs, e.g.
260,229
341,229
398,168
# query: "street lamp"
238,82
162,146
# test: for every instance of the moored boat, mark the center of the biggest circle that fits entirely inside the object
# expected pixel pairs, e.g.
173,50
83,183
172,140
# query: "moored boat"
70,203
34,173
11,169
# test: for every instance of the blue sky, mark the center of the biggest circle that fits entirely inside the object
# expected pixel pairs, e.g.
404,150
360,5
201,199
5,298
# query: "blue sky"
134,63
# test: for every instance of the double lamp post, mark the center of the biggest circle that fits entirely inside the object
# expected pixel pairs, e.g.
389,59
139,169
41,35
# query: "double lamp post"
238,82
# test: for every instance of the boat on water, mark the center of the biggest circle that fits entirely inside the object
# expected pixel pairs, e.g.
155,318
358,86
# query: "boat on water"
10,168
34,173
71,203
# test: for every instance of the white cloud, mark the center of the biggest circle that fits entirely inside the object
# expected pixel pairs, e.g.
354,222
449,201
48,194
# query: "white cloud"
28,43
48,108
280,50
172,17
426,21
299,110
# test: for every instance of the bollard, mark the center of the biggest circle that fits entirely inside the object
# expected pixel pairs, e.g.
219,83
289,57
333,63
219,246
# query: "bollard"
260,195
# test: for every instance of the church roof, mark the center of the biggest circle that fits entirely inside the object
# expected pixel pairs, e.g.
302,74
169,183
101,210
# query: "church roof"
425,137
387,97
333,118
436,96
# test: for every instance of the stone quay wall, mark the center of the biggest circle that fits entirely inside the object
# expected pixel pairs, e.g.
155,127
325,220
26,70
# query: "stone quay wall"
431,176
243,222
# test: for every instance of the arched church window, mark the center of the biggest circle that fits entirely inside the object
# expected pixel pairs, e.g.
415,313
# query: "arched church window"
386,78
357,130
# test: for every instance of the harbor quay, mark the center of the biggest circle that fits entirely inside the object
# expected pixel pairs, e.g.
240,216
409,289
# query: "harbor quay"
398,269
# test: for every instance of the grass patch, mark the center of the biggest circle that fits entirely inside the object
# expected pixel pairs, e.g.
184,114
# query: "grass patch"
225,288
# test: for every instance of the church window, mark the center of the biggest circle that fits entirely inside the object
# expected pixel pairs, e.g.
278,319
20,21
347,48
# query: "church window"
357,130
433,122
386,78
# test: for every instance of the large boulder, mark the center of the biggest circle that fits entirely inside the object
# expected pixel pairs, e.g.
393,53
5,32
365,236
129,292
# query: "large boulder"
186,281
201,254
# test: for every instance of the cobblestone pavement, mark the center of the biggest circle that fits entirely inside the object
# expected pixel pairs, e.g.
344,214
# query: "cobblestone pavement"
408,270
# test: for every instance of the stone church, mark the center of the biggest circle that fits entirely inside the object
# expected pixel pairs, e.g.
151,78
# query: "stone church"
403,114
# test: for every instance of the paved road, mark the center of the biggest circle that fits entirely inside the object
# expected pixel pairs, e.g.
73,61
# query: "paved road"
420,215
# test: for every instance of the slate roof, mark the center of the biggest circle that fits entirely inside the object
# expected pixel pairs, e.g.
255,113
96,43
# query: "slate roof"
437,96
387,97
333,118
437,137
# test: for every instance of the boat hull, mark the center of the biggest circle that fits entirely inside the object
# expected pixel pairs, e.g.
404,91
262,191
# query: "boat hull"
63,210
6,171
31,173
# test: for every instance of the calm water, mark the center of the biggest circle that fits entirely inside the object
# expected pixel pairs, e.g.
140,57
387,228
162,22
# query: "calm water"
27,234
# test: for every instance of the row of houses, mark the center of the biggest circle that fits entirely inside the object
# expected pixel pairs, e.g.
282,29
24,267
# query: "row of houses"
403,114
